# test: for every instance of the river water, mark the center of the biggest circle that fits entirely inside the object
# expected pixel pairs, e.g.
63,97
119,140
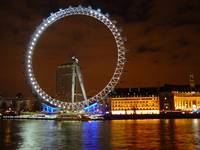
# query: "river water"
100,135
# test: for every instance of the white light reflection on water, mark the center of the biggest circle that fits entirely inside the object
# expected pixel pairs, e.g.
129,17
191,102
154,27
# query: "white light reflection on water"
116,134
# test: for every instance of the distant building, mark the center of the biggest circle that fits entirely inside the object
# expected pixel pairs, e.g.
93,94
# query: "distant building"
16,104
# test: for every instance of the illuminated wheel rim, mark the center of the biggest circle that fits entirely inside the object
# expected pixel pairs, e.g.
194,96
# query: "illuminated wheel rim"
119,40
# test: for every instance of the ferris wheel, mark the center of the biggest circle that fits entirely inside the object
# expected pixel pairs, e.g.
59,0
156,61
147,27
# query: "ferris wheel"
121,50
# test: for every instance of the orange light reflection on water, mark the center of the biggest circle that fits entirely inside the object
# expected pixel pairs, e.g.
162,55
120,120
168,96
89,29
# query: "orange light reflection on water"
8,133
154,134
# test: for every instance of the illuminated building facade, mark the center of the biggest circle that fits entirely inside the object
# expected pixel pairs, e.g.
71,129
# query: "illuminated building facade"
187,98
187,101
135,101
167,98
180,97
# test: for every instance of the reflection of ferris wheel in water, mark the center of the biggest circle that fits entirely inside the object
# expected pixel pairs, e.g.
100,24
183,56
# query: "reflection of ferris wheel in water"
53,18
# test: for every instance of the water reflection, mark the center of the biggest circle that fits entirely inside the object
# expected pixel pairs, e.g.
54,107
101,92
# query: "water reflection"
8,134
129,134
156,134
116,134
7,138
37,134
167,134
90,135
196,133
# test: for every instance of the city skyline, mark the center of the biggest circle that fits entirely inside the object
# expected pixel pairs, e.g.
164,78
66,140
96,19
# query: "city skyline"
162,39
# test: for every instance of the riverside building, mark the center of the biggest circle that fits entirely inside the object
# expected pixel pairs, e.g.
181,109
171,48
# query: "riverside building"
187,101
135,101
168,98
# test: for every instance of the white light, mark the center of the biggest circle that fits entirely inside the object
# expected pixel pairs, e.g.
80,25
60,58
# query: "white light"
39,31
34,39
37,35
42,27
99,10
35,87
29,70
91,12
32,43
31,47
107,15
30,52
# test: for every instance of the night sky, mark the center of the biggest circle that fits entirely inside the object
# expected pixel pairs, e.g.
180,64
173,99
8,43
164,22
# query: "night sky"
162,39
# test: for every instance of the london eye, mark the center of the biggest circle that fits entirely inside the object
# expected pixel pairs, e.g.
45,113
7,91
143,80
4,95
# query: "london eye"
121,53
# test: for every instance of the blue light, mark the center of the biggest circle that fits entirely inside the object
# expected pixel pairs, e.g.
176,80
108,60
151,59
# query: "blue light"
91,135
196,111
90,107
49,109
93,109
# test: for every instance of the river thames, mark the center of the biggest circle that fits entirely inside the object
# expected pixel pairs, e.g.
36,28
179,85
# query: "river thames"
100,135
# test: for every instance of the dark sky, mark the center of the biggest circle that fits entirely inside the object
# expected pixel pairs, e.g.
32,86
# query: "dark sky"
162,38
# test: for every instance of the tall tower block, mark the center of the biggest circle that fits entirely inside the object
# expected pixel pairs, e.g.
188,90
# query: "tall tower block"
69,82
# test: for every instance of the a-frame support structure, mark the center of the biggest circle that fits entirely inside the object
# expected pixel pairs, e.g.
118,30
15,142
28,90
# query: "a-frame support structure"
76,73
